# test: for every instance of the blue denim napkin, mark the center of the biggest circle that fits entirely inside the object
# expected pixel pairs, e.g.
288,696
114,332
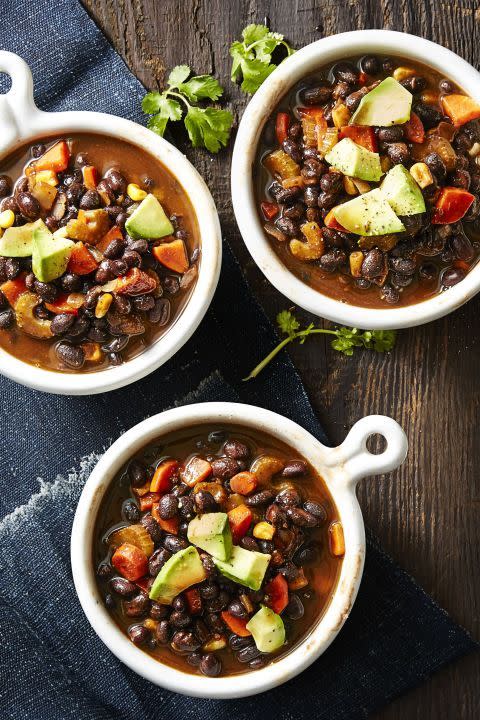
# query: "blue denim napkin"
52,665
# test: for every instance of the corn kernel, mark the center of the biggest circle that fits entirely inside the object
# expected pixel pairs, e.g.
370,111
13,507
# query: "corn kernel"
103,305
92,351
150,624
263,531
356,260
246,602
340,115
474,150
402,73
336,539
135,192
430,97
7,218
421,174
349,186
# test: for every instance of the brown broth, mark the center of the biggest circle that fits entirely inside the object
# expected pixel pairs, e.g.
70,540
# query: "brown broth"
339,285
322,573
104,153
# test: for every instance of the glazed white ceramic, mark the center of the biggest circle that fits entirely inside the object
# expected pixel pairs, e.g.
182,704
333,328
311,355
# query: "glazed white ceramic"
22,122
341,468
297,66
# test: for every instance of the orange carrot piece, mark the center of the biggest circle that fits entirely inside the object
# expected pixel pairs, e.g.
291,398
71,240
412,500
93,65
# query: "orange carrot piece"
235,624
12,289
240,519
130,561
162,478
196,470
277,594
61,305
451,206
81,260
194,600
460,108
172,255
90,177
147,501
56,158
244,483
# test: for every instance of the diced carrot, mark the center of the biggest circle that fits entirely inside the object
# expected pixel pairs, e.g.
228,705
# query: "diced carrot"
282,124
276,592
169,526
194,600
240,519
147,501
162,478
299,582
130,561
451,206
244,483
81,260
135,282
361,134
270,210
56,158
142,490
331,222
12,289
235,624
172,255
113,234
90,176
460,108
62,305
196,470
414,130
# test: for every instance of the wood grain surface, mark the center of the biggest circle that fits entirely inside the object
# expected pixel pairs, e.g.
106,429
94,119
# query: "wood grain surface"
426,514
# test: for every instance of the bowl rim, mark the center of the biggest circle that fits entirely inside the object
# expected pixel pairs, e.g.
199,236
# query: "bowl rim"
262,105
35,124
340,468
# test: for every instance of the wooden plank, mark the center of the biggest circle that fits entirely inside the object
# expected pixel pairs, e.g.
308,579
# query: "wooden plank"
426,514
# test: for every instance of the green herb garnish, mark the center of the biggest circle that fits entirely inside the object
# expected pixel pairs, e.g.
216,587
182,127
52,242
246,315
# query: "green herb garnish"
206,126
345,339
252,56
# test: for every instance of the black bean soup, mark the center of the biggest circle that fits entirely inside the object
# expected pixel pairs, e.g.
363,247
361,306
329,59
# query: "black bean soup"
234,607
99,248
332,143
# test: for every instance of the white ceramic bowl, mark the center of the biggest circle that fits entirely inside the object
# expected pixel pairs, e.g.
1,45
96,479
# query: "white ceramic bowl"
297,66
341,468
21,122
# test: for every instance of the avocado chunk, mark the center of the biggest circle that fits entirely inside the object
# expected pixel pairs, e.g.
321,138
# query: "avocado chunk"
387,104
354,160
17,241
368,214
211,532
402,192
148,220
179,572
245,567
50,255
267,629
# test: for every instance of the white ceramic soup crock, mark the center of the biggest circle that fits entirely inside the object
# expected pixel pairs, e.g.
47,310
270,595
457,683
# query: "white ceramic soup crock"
341,468
263,104
21,122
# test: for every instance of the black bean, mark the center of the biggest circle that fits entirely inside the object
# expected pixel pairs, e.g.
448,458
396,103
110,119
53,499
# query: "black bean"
61,323
295,609
333,259
288,196
194,659
160,313
137,472
237,608
295,131
294,468
248,653
370,64
445,86
236,449
152,527
131,511
293,149
114,248
70,282
205,502
12,268
116,345
90,200
391,134
7,318
132,258
218,603
224,467
452,276
121,219
168,506
400,281
28,205
302,518
143,303
5,186
436,165
180,489
462,247
137,606
209,591
331,182
306,553
157,561
373,264
71,355
140,245
104,571
118,267
398,153
473,211
428,271
41,312
79,327
404,266
249,543
275,515
185,641
9,203
428,114
116,181
260,498
326,200
414,83
287,226
353,100
162,632
237,643
346,71
310,196
180,619
210,665
46,291
289,497
390,295
208,564
317,95
171,284
123,587
266,546
138,634
258,662
174,544
461,179
74,194
158,611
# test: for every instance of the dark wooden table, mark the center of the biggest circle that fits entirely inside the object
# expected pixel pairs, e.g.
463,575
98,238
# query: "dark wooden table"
427,514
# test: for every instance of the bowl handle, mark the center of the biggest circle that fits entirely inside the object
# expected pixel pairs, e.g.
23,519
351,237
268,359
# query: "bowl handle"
354,458
17,107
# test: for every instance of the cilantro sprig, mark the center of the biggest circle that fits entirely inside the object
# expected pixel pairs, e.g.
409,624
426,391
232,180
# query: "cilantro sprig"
345,339
207,127
252,56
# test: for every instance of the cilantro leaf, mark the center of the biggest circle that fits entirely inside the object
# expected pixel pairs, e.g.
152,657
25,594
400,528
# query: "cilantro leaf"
253,33
252,56
208,126
254,73
201,87
166,110
287,322
178,75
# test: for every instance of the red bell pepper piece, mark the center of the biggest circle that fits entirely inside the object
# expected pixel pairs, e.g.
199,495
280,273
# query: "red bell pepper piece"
414,130
130,561
240,518
451,206
330,221
235,624
360,134
162,477
56,158
282,123
194,600
144,583
270,210
81,260
362,78
12,289
276,592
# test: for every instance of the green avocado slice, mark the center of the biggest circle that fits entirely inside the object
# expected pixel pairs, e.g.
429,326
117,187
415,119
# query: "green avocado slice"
50,255
179,572
402,192
267,629
245,567
368,214
387,104
149,220
17,241
212,533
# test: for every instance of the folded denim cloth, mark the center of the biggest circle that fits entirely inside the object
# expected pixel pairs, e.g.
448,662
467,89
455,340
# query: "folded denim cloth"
52,665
